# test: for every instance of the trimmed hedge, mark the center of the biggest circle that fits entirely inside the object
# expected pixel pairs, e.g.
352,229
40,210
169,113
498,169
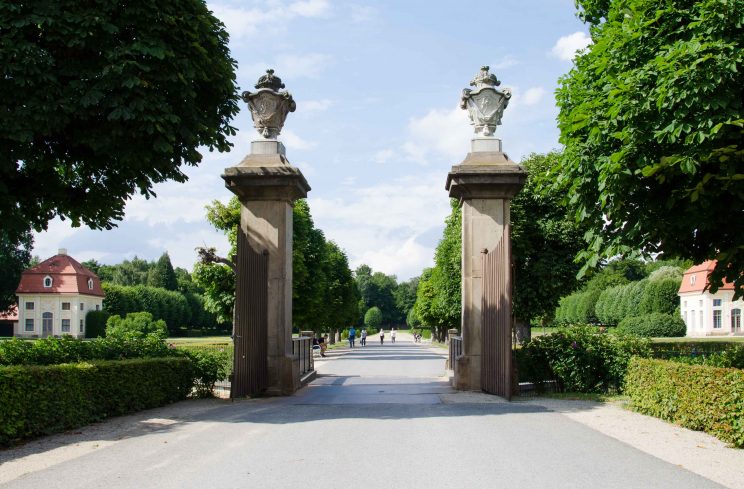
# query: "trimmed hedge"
654,325
697,397
95,324
40,400
660,296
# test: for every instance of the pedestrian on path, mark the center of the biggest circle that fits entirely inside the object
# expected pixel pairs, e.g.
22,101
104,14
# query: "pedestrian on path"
392,334
363,337
352,336
382,336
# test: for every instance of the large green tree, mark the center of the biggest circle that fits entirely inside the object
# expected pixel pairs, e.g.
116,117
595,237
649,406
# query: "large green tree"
104,99
377,290
323,292
162,274
15,257
652,119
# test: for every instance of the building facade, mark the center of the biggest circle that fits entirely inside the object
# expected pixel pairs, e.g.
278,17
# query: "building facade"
54,297
707,314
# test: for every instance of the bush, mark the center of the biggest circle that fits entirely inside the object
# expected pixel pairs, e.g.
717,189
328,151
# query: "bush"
694,396
95,324
660,296
579,359
655,325
172,307
137,324
209,366
732,357
40,400
666,272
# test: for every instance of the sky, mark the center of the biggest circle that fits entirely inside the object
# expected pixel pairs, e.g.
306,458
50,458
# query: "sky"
377,126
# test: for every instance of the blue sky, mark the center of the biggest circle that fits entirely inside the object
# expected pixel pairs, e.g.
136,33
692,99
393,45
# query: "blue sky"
377,125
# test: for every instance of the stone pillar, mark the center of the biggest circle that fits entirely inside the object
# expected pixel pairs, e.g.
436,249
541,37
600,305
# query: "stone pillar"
266,185
484,183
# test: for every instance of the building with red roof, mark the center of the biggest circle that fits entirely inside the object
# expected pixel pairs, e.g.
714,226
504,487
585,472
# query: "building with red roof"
54,297
707,314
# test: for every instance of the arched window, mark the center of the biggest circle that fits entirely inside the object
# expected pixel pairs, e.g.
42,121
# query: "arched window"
46,324
90,283
47,281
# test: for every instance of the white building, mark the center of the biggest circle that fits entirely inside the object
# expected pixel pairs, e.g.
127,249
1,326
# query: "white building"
707,314
54,297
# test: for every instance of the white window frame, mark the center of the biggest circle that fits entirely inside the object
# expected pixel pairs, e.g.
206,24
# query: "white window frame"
90,283
717,319
65,328
30,305
48,282
82,326
29,321
69,305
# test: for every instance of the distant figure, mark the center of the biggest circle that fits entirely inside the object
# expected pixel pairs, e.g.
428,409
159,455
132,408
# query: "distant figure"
352,336
363,337
382,336
392,334
323,341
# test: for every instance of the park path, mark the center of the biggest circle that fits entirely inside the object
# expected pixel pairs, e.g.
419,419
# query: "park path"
376,417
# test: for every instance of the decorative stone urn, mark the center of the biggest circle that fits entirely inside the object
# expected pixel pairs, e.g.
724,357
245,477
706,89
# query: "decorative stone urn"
269,106
485,104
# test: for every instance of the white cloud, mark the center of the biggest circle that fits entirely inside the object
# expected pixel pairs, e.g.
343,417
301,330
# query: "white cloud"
242,21
441,133
309,8
533,95
292,141
381,225
505,62
383,156
565,48
313,105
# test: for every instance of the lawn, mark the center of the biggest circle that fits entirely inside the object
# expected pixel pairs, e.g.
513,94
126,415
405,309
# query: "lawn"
199,340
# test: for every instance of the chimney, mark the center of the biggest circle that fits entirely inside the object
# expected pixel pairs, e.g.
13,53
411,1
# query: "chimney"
62,251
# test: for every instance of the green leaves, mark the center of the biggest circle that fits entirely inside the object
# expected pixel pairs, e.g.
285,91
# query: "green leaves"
649,117
86,86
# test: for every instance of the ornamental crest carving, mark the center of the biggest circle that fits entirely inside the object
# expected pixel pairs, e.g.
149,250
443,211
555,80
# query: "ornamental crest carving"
485,103
269,105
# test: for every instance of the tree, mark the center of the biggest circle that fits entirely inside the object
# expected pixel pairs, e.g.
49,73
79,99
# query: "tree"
131,272
104,99
652,118
341,293
373,318
15,257
162,274
545,241
405,298
377,289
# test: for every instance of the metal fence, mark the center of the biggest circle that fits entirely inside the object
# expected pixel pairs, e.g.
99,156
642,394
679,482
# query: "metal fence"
302,350
222,384
455,351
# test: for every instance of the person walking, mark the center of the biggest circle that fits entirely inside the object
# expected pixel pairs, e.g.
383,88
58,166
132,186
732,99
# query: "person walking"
382,336
392,334
352,336
363,337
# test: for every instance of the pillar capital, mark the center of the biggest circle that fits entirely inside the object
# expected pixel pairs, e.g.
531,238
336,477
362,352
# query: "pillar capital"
267,181
485,175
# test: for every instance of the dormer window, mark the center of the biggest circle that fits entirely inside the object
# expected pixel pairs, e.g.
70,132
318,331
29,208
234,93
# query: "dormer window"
47,281
692,279
90,283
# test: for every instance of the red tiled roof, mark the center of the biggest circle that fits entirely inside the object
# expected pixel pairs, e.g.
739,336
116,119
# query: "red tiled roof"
696,278
68,276
9,315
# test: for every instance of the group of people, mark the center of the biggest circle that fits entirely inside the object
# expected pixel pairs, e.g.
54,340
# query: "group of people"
363,336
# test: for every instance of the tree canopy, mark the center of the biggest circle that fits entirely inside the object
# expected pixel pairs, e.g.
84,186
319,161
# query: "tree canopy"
652,118
15,257
104,99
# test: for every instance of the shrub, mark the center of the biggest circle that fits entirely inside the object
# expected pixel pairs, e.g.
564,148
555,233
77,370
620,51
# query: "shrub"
732,357
607,304
40,400
172,307
632,300
95,324
694,396
579,359
660,296
137,324
666,272
209,365
655,325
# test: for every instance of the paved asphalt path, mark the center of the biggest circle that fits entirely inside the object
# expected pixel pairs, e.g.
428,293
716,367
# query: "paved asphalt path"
376,417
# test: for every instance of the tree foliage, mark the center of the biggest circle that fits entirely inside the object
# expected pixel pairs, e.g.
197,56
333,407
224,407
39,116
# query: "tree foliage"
373,318
652,118
104,99
162,274
15,257
137,324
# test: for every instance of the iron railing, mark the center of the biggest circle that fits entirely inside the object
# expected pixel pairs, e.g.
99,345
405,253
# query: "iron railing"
455,351
302,351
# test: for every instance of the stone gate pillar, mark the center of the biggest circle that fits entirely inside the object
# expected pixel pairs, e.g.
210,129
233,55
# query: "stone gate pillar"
266,185
484,183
